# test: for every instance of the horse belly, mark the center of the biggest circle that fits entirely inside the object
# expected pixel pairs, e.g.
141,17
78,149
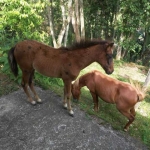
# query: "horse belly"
106,94
47,69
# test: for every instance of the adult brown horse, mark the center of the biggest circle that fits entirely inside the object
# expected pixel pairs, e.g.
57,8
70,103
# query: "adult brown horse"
64,63
124,95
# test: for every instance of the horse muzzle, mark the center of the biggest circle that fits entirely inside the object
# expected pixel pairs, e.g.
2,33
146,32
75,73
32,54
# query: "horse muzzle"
75,100
109,71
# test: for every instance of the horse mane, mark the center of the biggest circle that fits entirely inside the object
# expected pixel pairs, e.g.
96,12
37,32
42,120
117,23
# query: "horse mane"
76,83
84,44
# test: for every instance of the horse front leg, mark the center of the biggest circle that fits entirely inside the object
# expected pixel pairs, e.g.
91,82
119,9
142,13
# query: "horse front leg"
67,97
95,101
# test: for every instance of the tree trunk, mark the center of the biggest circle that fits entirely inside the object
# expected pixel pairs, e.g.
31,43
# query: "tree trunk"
119,49
69,20
75,20
145,41
147,80
118,54
64,25
82,20
50,16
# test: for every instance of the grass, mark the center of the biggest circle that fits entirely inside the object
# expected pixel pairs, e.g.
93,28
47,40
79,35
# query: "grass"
6,85
108,112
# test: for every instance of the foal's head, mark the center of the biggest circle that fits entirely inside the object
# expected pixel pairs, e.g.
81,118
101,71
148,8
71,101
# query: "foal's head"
75,90
106,58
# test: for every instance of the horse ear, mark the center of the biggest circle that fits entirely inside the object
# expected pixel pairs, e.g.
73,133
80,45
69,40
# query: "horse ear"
109,47
110,44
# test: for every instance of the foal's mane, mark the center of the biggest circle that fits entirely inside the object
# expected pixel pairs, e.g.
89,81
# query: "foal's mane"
84,44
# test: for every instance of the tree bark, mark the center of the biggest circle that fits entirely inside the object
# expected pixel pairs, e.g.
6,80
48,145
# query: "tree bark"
75,20
64,25
82,20
66,18
50,16
119,49
147,80
69,20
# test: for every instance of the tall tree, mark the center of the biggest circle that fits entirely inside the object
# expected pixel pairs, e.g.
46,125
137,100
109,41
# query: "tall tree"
65,19
147,80
82,19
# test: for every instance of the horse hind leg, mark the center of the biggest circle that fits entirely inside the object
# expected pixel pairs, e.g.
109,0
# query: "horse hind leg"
24,83
133,111
130,117
31,85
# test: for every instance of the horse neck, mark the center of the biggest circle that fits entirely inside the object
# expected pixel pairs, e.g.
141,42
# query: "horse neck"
86,56
82,80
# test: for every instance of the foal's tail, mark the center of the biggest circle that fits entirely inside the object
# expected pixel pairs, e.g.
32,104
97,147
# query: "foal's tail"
141,95
141,92
12,61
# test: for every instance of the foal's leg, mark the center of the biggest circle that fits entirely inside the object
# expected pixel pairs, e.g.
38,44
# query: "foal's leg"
24,83
32,87
95,101
130,116
67,96
133,111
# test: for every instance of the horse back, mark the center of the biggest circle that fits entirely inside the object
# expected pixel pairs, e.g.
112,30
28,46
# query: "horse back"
44,59
28,52
30,47
112,90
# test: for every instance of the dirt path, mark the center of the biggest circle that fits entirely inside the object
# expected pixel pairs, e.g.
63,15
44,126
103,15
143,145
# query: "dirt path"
48,126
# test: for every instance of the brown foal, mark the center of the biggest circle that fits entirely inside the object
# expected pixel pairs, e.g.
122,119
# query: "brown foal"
113,91
64,63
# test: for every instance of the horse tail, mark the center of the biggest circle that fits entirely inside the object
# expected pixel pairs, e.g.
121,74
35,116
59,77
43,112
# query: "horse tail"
141,92
12,61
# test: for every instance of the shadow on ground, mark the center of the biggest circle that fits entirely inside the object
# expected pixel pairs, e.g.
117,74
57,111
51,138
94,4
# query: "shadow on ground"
48,126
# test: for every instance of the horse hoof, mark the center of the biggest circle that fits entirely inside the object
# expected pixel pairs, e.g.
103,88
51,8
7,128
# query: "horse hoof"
65,106
33,102
39,101
125,130
75,100
71,113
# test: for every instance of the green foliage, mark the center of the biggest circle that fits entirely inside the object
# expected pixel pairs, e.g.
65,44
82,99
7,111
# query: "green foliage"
47,82
109,19
120,21
19,20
